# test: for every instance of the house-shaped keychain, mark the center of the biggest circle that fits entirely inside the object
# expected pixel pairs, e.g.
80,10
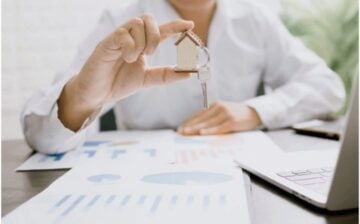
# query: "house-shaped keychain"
187,45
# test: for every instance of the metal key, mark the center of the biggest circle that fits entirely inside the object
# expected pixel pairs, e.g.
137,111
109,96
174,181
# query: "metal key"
203,76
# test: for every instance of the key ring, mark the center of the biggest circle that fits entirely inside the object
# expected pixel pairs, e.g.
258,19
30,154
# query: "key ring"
207,54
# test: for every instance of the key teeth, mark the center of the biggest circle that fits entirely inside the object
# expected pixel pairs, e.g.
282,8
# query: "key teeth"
205,95
203,76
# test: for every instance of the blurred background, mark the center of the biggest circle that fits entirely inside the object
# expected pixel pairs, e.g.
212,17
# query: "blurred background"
40,38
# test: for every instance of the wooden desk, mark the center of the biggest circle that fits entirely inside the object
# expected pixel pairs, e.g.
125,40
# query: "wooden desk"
269,204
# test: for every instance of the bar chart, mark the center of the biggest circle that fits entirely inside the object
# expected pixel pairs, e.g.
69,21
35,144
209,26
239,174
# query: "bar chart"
82,203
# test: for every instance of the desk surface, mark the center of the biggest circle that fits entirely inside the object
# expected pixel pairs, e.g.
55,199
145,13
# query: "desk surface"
269,204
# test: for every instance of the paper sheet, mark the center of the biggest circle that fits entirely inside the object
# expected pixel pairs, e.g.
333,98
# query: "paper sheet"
154,145
139,193
163,146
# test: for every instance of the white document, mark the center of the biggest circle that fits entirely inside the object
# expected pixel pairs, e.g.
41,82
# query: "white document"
153,145
163,146
139,193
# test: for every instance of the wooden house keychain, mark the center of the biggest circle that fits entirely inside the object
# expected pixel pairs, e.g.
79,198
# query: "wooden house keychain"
189,49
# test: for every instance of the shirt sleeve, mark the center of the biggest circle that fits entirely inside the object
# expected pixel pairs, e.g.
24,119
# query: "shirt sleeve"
41,126
303,87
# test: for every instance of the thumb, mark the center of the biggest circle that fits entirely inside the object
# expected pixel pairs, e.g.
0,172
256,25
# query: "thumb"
163,75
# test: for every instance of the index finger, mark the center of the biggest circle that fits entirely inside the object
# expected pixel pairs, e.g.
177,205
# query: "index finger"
174,27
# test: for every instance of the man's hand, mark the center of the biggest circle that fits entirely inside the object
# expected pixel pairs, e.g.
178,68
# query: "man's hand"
116,69
221,118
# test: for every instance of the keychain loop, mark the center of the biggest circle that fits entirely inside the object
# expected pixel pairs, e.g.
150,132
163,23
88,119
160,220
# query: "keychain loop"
207,54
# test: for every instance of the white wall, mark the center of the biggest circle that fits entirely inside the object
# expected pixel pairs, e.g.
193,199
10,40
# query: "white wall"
39,38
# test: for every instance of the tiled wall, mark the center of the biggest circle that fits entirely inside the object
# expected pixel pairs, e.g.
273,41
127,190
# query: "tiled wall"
39,39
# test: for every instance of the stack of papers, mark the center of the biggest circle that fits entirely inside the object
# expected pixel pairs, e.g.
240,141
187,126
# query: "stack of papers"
144,177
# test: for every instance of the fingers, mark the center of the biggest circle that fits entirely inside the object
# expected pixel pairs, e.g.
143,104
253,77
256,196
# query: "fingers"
221,118
206,123
136,28
215,116
201,117
201,120
145,36
193,116
152,33
222,128
119,43
217,124
137,36
162,75
174,27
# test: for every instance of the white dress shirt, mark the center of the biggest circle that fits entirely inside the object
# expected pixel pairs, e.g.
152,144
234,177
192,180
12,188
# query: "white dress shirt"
248,46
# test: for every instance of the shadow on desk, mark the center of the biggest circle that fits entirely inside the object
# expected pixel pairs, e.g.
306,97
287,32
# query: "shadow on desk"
18,187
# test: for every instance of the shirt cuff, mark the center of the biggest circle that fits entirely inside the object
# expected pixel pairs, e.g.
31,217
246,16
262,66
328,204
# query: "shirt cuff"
42,127
70,139
268,109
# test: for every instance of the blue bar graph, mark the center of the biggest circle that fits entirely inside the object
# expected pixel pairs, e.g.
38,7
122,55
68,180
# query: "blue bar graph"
73,205
83,203
151,152
62,201
117,152
125,200
93,201
89,153
110,199
141,200
174,200
222,199
206,201
190,199
93,143
156,204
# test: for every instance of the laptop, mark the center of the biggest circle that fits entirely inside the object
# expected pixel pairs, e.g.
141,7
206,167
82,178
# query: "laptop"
325,178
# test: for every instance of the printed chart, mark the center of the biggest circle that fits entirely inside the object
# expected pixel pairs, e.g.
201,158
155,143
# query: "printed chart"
147,204
88,151
130,145
148,194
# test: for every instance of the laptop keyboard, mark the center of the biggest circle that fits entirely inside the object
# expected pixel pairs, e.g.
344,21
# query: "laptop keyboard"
318,179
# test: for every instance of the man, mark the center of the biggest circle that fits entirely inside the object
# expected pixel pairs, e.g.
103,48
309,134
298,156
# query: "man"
248,46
